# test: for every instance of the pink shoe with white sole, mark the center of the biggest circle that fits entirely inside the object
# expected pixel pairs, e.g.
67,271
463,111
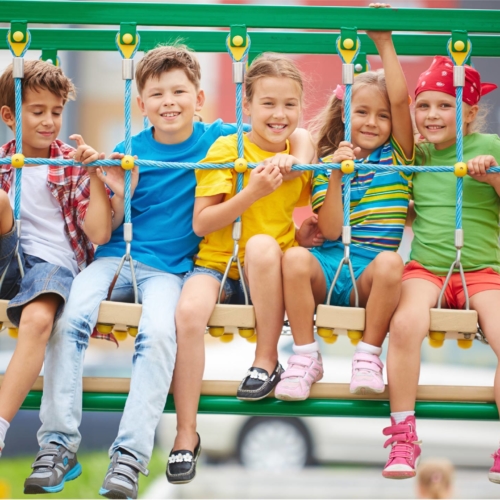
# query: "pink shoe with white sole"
297,379
366,374
494,474
405,451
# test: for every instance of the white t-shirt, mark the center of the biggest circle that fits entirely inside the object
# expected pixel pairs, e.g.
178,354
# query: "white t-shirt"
43,232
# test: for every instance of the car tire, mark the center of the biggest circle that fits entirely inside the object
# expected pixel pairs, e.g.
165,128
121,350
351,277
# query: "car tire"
274,443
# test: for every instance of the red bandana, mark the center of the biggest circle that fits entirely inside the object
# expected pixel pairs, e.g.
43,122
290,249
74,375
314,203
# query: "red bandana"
440,77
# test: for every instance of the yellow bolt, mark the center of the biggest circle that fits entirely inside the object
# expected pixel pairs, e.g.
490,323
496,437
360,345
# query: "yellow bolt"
355,335
227,337
13,332
252,340
459,46
127,38
465,343
18,36
238,40
104,328
241,165
347,166
17,160
216,331
460,169
246,333
331,340
325,333
120,335
132,331
128,162
436,339
348,43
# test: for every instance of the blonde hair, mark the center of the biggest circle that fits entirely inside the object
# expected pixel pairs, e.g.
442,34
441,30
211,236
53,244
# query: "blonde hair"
38,75
435,478
274,65
327,127
166,58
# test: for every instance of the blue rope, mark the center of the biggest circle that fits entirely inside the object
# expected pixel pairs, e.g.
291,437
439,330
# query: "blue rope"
460,156
128,150
19,147
145,122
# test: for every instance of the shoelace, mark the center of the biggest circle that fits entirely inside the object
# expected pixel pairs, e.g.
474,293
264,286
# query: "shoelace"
402,439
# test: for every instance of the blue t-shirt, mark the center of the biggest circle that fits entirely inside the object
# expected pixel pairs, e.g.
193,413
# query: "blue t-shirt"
163,202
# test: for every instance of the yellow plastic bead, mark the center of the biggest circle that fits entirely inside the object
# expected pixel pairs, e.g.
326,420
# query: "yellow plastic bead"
238,40
13,332
437,336
436,343
1,326
17,160
460,169
348,43
132,331
127,39
354,334
252,340
18,36
459,46
241,165
325,333
227,337
120,335
104,328
331,340
128,162
216,331
347,166
464,343
246,333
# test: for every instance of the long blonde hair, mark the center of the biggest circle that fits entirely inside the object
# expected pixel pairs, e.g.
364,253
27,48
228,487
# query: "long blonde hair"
327,127
435,478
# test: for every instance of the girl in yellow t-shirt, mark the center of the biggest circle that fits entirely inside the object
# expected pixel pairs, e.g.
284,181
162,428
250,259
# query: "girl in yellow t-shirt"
273,100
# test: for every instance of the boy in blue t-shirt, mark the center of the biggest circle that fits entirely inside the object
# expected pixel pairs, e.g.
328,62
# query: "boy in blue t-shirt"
163,246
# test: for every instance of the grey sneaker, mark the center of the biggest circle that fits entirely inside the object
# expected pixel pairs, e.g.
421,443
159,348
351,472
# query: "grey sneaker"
122,478
53,466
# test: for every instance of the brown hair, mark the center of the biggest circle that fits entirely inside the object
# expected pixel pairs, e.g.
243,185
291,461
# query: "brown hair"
327,127
166,58
38,75
435,478
274,65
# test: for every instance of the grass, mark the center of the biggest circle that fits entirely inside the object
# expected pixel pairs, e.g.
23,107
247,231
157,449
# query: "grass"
14,471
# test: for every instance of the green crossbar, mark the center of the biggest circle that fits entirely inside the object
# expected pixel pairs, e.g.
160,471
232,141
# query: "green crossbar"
284,42
254,16
93,401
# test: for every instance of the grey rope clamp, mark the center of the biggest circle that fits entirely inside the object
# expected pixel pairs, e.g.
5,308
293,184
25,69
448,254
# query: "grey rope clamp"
347,74
18,256
346,240
18,67
238,72
234,258
127,69
457,264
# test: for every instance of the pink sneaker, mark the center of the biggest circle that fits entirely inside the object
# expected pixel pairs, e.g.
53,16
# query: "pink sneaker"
296,381
494,474
405,450
366,374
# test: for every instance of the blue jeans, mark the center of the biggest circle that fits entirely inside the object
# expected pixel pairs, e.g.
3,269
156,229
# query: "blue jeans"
153,361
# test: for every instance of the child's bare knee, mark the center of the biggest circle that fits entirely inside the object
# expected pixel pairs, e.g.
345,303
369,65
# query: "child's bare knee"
389,267
189,322
37,321
262,250
296,262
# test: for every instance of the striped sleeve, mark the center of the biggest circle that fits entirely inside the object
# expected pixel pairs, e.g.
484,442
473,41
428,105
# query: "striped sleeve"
319,187
398,155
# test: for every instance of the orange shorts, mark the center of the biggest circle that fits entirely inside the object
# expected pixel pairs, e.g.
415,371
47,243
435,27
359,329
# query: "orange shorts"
477,281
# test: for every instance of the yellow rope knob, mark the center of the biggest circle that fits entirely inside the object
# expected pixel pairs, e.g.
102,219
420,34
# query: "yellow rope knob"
325,333
252,340
18,36
355,334
459,46
246,333
436,339
227,337
13,332
465,343
127,39
238,40
132,331
120,335
241,165
128,162
348,43
460,169
104,328
18,160
216,331
331,340
347,166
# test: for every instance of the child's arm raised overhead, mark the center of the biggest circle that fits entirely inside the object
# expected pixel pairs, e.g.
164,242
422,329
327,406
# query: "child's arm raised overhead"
211,213
397,89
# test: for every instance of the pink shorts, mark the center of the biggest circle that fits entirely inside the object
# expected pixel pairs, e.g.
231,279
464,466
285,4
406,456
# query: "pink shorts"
477,281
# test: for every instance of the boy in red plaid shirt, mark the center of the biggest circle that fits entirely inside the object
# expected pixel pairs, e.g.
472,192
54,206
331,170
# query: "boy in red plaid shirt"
60,223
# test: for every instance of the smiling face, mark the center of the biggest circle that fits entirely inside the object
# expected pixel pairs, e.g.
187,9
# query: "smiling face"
370,119
42,120
435,117
275,111
170,103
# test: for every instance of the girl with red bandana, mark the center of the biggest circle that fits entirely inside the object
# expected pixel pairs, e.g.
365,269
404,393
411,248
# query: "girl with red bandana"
433,248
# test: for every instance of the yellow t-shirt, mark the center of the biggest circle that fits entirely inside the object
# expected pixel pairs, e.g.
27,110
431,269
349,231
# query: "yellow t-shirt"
270,215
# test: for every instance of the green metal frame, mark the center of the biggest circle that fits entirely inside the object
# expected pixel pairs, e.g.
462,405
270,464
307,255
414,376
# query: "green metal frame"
254,16
309,408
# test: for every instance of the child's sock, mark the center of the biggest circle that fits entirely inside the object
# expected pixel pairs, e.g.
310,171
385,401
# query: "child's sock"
368,348
400,416
311,350
4,425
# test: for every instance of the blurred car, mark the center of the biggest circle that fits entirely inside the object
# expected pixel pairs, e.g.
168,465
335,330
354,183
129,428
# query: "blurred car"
289,442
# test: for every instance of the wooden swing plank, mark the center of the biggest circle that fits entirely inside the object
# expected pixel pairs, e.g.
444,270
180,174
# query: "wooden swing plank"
122,313
445,393
453,320
343,318
232,316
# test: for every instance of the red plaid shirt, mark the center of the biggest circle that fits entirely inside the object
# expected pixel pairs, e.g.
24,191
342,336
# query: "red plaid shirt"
71,187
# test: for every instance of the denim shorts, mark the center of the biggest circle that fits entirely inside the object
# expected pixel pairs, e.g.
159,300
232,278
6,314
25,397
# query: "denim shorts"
329,259
233,289
40,277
